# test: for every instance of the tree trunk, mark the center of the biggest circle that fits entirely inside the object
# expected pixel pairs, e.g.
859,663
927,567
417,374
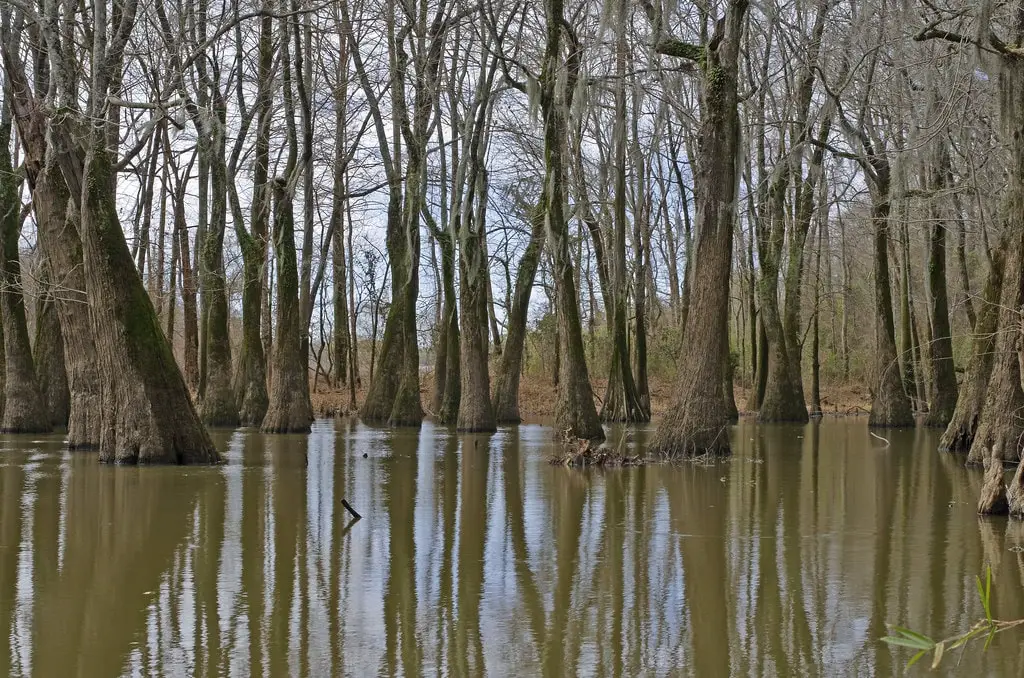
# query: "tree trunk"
190,336
48,354
290,410
1000,428
621,400
218,406
993,499
698,418
907,345
815,336
760,385
24,408
959,434
575,413
250,380
447,370
341,337
475,410
389,399
61,246
506,383
890,406
783,398
147,415
943,388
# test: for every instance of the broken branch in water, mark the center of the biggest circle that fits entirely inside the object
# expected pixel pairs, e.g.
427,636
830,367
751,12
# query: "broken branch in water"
351,510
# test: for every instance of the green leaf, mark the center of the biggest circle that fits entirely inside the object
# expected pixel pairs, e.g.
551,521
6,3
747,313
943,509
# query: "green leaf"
916,657
985,592
991,635
988,593
907,638
923,639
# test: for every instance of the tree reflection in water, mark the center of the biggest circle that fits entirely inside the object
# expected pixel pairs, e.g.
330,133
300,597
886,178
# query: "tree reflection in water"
475,557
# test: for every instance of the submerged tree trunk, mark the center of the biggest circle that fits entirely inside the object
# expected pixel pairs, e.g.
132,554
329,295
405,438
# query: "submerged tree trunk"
575,413
290,410
24,408
697,420
959,434
506,383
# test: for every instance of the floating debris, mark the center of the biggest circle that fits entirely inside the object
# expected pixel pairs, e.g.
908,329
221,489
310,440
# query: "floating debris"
581,453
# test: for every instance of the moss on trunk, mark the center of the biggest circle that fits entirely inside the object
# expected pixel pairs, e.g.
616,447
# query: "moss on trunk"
147,414
942,396
250,379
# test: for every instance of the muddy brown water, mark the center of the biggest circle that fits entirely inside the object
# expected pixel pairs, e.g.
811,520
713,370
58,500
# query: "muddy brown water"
475,557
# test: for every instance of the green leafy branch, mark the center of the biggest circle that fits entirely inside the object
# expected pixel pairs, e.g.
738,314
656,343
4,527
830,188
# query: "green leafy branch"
987,628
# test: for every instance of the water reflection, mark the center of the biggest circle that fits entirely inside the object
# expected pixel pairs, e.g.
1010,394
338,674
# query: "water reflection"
475,558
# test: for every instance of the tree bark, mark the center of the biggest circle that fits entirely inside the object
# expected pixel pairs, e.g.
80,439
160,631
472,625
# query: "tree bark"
48,354
190,317
506,383
447,368
783,397
1001,428
622,400
218,406
290,409
890,407
575,413
342,337
24,408
250,380
698,418
475,410
61,247
147,415
943,388
959,434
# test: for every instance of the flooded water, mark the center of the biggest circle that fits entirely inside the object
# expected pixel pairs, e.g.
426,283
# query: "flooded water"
476,558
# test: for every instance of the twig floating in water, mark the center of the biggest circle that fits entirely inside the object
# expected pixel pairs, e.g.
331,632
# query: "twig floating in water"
351,510
887,443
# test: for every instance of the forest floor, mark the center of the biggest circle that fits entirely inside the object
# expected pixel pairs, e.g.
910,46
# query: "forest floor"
537,397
